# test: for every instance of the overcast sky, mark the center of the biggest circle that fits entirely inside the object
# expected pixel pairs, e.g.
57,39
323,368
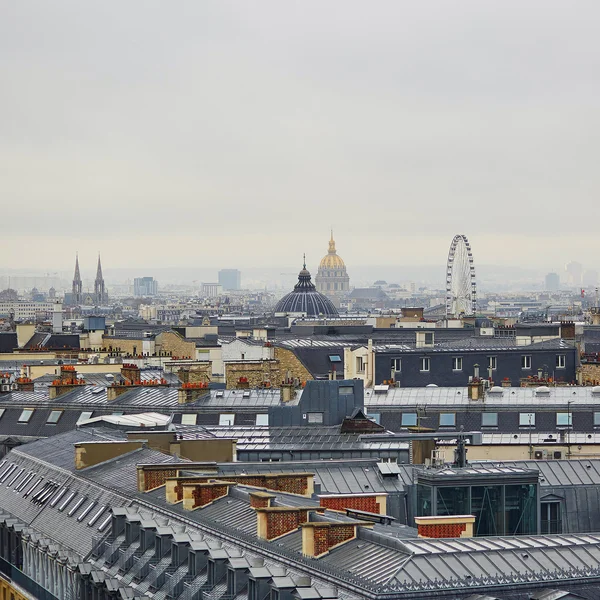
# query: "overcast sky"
217,133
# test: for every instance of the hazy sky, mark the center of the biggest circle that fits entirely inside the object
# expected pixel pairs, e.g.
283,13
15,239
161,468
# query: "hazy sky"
217,133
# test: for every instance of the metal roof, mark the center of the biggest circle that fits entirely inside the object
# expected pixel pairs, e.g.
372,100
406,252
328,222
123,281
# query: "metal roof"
508,398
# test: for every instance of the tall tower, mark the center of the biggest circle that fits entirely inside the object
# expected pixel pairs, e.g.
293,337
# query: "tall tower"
99,289
77,283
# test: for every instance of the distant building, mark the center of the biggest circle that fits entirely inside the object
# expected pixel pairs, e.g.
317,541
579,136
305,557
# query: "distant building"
230,279
574,273
144,287
552,283
332,278
78,297
305,298
210,290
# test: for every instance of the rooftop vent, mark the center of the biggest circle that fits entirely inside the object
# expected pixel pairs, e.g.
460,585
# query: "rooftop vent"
496,389
596,389
431,385
543,389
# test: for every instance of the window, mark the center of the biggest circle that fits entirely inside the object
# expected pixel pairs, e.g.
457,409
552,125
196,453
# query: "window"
118,413
429,338
54,417
425,364
526,361
550,517
346,390
76,506
396,364
189,419
96,516
597,419
335,358
561,361
85,415
489,419
25,415
447,419
2,412
360,364
226,419
315,417
526,419
375,417
457,363
492,363
262,420
564,419
409,419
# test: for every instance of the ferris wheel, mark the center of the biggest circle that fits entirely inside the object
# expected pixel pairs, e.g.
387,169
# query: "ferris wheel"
461,290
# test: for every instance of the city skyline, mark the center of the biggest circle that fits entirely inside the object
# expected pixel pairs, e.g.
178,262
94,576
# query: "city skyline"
256,127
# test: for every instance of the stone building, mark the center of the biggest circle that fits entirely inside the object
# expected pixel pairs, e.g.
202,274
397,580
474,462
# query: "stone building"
332,278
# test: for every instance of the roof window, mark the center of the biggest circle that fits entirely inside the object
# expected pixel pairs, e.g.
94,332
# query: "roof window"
25,415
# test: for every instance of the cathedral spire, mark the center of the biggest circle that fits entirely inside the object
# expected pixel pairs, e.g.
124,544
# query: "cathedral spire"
99,288
77,276
332,244
77,283
99,269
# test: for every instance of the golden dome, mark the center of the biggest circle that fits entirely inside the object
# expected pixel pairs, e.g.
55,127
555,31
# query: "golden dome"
331,260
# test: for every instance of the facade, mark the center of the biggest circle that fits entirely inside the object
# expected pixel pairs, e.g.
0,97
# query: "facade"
332,278
305,299
27,310
452,364
145,287
230,279
210,290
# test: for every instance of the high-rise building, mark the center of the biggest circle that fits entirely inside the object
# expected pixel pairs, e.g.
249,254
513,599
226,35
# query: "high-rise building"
552,283
574,274
145,287
230,279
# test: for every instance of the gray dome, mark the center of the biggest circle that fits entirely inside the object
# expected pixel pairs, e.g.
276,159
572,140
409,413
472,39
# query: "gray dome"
304,298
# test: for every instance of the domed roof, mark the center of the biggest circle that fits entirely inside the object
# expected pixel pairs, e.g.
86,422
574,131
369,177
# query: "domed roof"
331,260
304,298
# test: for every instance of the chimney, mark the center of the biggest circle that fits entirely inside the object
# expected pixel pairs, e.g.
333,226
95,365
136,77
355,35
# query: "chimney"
190,392
199,495
150,477
475,387
453,526
115,390
57,318
261,499
276,521
372,503
131,373
318,538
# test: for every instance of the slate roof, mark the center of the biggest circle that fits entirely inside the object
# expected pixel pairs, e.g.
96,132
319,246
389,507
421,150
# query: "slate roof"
300,438
378,562
8,341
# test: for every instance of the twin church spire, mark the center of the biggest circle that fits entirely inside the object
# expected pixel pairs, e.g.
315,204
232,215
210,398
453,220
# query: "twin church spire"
98,297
